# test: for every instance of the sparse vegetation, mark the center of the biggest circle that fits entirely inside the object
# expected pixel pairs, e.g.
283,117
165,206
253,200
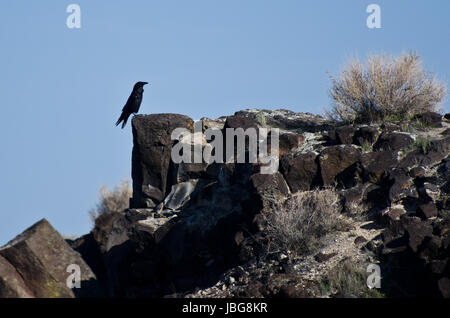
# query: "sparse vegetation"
261,119
116,200
348,279
423,144
414,125
357,211
385,88
366,146
304,219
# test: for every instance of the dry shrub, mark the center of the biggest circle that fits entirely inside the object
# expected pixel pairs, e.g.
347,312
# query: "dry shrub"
349,279
116,200
385,87
303,220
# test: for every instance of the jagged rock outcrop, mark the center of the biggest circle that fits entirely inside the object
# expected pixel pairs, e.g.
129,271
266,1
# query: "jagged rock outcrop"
11,283
191,226
151,156
35,264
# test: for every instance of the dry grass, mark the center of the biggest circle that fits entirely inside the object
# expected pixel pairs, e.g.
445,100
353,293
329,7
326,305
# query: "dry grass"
349,279
116,200
385,87
304,219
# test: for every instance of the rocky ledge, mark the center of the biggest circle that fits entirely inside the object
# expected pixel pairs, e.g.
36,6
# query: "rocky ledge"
198,229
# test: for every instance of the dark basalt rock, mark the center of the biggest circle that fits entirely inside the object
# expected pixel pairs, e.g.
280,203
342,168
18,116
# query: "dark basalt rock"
366,135
345,134
444,287
300,170
273,183
417,231
289,142
320,257
427,210
241,121
335,160
377,165
429,118
388,127
393,141
191,223
152,154
11,283
41,257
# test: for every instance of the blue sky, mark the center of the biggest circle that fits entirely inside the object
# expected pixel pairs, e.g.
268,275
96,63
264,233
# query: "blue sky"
61,89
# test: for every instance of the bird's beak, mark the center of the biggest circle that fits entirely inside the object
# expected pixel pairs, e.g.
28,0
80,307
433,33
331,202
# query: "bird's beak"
145,83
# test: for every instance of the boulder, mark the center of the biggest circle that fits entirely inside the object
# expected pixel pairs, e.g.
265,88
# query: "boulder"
441,146
11,283
289,142
360,240
345,134
412,159
437,266
393,141
335,159
377,165
321,257
402,186
393,214
430,119
270,183
417,231
215,124
427,210
431,191
112,234
430,248
437,150
240,120
41,257
299,170
417,172
388,127
355,198
444,287
287,120
110,230
366,135
156,227
152,155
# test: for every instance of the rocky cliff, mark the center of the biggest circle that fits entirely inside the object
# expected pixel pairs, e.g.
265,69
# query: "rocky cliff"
199,229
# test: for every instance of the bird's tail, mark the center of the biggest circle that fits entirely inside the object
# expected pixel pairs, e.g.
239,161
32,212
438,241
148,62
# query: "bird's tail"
124,122
122,118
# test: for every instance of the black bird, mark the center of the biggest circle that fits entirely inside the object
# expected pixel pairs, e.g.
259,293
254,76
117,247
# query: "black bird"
133,103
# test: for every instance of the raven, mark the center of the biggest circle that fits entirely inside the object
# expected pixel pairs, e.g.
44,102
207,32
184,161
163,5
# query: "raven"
133,103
